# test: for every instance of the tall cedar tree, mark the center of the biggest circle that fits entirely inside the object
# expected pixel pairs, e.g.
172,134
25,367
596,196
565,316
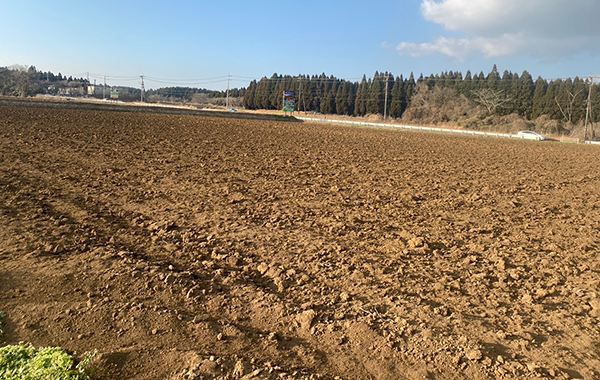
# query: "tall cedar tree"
360,108
539,98
398,98
410,90
248,101
522,90
375,102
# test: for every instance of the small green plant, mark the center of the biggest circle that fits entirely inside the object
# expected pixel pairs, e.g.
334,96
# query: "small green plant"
24,362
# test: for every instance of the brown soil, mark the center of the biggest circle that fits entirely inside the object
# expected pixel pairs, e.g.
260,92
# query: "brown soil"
186,247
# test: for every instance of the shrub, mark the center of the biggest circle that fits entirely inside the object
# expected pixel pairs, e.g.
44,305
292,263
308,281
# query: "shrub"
544,124
24,362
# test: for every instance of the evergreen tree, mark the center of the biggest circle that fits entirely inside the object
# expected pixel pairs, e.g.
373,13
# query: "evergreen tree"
398,98
248,101
303,99
315,94
352,88
362,94
539,95
262,94
522,92
388,85
479,82
465,86
375,102
431,81
505,86
409,90
595,102
421,79
551,107
275,92
341,99
443,79
493,78
328,103
454,79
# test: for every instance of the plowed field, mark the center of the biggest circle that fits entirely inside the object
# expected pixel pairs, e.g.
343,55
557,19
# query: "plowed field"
187,247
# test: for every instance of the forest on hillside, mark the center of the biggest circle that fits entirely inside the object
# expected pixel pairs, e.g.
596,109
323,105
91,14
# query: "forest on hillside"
475,101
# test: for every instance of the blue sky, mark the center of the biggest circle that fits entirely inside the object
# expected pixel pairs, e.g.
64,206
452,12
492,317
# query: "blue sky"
194,41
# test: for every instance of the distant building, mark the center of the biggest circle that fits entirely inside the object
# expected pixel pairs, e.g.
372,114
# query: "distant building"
71,91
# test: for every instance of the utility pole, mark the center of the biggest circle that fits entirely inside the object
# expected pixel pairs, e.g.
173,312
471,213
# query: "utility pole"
387,77
303,102
587,110
228,79
104,89
143,89
300,94
88,84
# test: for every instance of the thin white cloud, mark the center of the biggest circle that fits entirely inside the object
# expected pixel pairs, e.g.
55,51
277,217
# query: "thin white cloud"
501,28
460,48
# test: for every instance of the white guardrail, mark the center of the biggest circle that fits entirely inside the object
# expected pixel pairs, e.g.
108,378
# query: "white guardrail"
413,128
431,129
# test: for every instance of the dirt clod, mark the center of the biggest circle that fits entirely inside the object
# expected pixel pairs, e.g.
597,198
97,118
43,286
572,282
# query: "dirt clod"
474,354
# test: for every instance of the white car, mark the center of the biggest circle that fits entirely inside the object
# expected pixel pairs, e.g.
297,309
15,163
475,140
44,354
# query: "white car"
530,135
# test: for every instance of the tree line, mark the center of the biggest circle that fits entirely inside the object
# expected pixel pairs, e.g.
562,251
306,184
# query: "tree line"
497,94
23,81
475,101
28,81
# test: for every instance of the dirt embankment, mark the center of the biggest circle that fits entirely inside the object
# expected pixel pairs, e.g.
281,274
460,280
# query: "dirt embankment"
187,247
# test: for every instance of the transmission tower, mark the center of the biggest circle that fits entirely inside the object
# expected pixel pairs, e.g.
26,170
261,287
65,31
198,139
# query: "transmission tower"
143,89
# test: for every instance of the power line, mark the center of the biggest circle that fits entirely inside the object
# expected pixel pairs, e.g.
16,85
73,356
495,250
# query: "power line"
189,80
187,83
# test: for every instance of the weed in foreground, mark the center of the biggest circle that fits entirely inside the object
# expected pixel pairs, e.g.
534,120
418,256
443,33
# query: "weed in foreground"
24,362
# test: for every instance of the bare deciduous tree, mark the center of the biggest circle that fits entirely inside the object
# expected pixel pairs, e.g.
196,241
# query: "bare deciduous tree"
491,99
567,111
